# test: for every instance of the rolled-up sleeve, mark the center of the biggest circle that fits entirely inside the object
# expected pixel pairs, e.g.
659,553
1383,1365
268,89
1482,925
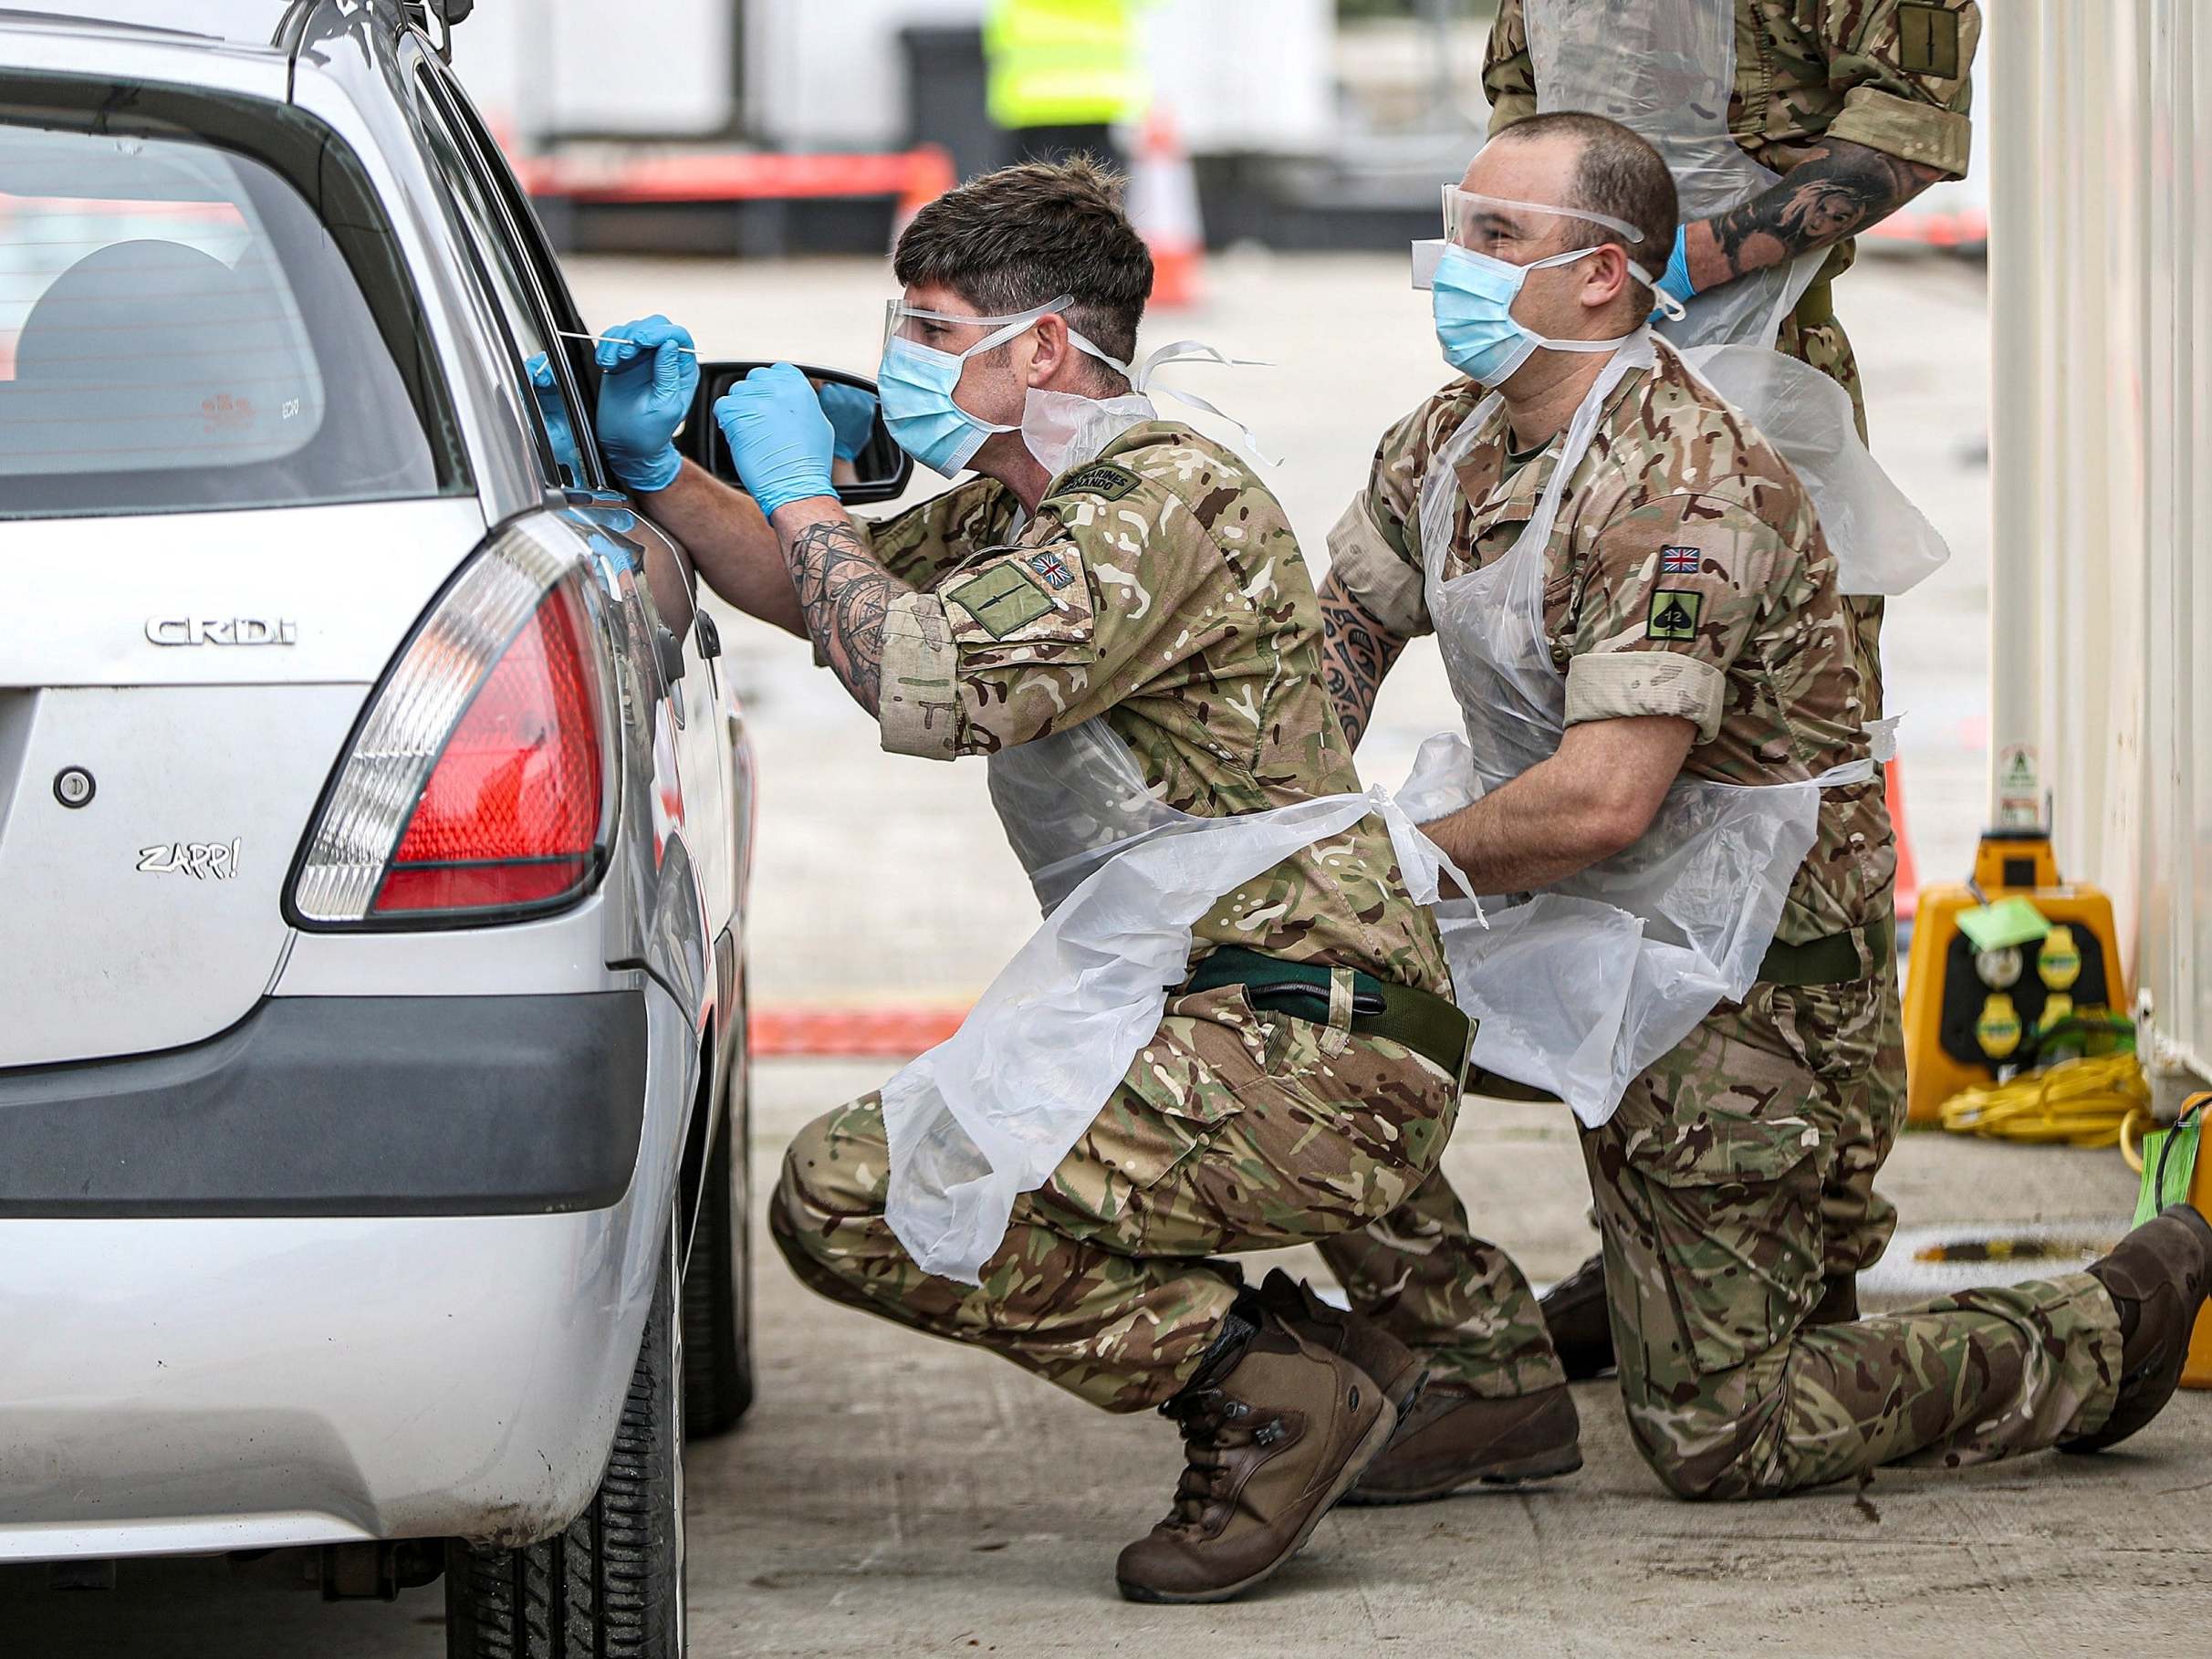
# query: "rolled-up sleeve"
1905,68
1621,685
920,706
1373,570
1674,590
1013,646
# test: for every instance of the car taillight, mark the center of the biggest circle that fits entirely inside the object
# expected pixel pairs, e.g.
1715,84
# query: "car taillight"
478,784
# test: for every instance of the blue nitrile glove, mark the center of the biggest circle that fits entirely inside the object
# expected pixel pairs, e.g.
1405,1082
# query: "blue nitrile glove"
1676,279
643,397
851,413
554,408
779,436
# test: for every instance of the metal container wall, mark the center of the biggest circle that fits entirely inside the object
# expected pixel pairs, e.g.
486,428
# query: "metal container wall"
2101,278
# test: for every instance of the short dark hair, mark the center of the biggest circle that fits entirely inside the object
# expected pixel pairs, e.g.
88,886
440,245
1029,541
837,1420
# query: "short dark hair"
1617,173
1018,237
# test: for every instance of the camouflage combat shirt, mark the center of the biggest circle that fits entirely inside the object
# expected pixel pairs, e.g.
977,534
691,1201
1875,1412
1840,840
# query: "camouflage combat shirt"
1893,75
1686,576
1159,585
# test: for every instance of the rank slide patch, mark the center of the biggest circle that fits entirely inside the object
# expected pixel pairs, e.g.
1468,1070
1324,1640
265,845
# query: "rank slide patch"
1674,614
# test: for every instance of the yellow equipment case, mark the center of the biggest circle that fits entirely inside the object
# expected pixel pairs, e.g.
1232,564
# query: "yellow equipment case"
1966,1016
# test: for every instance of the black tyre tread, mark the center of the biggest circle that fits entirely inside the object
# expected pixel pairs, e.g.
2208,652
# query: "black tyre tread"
717,1303
589,1591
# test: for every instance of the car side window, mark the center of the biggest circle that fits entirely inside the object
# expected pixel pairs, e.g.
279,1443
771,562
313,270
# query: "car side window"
541,364
530,241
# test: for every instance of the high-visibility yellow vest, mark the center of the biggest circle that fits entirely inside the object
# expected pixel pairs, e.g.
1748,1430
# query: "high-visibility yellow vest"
1063,63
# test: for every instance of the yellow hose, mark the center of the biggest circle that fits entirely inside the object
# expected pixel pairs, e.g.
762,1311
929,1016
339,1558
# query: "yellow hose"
2078,1102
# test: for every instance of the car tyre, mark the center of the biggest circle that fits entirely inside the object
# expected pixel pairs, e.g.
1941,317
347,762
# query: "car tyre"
610,1585
717,1282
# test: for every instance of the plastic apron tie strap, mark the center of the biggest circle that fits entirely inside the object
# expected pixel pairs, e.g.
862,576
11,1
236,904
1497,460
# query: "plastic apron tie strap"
1180,352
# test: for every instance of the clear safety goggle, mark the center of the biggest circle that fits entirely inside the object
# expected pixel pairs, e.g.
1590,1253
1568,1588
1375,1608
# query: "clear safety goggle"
1500,227
897,314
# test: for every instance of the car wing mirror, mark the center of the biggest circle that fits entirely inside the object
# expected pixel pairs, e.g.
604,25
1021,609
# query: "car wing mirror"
878,470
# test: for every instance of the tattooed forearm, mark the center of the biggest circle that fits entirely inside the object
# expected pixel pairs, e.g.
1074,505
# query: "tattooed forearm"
1356,653
1838,191
844,595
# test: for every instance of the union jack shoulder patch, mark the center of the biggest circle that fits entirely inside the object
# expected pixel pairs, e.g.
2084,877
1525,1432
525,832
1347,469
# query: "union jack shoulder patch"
1052,571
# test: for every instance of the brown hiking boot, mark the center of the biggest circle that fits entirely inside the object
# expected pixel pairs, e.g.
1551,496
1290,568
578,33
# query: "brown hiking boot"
1397,1369
1276,1425
1582,1328
1457,1438
2157,1278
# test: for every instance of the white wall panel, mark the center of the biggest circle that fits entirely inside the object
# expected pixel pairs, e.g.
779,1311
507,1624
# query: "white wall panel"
2100,264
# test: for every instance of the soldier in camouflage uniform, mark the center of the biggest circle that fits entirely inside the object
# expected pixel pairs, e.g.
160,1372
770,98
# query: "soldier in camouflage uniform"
1155,584
1690,605
1859,104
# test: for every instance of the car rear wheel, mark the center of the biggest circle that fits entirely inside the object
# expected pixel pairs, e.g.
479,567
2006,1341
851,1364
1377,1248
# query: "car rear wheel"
611,1586
717,1283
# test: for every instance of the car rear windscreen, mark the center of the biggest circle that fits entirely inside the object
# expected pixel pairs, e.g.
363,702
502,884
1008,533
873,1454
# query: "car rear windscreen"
183,328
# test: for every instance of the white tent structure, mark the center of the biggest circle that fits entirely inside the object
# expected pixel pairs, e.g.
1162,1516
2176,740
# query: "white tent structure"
2101,270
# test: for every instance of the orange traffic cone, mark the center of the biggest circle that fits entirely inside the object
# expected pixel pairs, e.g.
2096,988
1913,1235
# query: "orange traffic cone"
1164,206
1908,869
929,174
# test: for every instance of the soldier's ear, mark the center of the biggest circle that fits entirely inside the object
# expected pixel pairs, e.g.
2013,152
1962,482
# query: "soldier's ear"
1052,348
1607,276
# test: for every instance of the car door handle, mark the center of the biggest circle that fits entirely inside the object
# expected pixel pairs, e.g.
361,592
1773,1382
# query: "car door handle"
670,650
710,637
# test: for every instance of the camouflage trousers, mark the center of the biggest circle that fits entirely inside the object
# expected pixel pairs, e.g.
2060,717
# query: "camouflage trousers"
1717,1185
1232,1132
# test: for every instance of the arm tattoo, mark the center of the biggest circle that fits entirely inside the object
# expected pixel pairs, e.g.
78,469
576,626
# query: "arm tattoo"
845,596
1840,191
1356,653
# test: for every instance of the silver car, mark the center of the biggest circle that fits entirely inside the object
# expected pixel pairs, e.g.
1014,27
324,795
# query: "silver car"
373,835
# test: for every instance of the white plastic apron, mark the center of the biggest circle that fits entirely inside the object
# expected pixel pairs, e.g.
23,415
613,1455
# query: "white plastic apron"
1578,988
987,1115
1665,68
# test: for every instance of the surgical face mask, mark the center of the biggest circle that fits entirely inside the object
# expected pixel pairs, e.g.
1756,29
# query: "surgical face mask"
916,382
1472,287
1472,303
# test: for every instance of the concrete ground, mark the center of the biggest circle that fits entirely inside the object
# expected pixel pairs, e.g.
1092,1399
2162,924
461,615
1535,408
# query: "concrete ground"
891,1495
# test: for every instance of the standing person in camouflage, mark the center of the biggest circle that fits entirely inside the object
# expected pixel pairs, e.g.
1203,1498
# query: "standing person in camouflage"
1861,105
1306,1073
1688,601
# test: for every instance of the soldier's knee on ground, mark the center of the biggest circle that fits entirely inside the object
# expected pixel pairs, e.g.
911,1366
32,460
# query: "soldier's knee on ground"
1708,1453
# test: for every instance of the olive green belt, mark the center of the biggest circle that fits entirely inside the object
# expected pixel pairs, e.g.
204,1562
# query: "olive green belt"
1427,1024
1838,959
